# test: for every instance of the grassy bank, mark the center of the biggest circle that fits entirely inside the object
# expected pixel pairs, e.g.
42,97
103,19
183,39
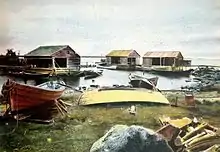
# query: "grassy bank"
84,125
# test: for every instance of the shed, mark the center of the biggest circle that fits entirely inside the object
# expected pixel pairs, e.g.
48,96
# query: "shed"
123,57
59,56
163,58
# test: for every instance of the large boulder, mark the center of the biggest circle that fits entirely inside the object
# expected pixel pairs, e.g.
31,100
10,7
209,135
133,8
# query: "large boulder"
122,138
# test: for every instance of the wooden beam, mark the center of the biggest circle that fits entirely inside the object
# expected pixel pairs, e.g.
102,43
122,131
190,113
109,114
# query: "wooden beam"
53,63
174,62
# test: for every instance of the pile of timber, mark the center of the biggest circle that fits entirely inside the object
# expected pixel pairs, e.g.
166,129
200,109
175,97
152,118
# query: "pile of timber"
189,134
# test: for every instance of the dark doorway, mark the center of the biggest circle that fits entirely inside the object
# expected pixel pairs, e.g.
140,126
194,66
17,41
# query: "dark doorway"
132,61
60,63
115,60
156,61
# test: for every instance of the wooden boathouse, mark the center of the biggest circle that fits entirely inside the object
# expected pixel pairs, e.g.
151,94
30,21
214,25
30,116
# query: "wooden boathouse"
165,58
123,57
61,58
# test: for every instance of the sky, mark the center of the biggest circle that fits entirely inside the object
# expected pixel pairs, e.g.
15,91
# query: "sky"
94,27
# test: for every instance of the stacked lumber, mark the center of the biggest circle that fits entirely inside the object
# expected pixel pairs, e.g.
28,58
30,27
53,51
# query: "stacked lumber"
189,135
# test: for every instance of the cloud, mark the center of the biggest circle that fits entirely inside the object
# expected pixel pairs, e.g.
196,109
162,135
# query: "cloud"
100,25
4,27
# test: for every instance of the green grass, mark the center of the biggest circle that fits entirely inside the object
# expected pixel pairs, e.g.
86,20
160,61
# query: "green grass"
84,125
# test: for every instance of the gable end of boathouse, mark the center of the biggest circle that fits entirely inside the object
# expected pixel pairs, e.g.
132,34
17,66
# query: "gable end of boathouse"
123,57
164,58
56,56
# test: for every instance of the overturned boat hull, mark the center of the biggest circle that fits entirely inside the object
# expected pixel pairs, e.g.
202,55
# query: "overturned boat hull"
122,95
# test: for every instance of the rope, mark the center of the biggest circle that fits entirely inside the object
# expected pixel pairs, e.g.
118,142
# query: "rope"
7,89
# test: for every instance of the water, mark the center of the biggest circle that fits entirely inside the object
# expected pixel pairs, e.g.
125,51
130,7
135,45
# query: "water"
111,77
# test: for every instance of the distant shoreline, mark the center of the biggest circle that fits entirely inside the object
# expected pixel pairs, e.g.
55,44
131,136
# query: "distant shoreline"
195,60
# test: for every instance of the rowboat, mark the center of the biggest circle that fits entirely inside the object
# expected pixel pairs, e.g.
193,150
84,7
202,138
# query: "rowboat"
180,73
90,72
153,80
93,74
142,82
28,75
22,96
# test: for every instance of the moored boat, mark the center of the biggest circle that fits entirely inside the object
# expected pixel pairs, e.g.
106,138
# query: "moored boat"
92,74
142,82
28,75
180,73
22,96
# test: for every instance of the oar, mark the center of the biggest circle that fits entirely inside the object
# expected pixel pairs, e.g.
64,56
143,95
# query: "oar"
70,87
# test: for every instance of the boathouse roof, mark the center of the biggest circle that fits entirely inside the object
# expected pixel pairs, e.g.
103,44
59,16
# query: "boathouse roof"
48,50
123,53
163,54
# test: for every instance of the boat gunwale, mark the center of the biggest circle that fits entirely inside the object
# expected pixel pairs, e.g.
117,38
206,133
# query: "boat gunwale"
62,88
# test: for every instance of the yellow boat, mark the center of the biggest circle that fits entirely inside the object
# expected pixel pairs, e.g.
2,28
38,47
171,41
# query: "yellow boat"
122,95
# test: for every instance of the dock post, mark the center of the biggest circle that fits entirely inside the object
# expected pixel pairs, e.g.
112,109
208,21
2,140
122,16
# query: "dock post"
53,63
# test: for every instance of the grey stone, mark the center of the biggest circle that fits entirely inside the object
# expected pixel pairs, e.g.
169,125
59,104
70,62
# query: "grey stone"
122,138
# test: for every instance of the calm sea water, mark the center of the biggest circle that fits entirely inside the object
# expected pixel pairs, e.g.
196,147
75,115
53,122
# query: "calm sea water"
111,77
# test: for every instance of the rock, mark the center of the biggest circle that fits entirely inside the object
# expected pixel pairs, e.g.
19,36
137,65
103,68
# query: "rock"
122,138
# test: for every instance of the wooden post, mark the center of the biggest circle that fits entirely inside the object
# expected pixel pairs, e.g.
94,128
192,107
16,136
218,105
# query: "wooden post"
160,61
67,62
174,63
53,63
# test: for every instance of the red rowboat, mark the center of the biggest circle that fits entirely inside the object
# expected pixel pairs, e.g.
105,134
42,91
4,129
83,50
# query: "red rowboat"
21,96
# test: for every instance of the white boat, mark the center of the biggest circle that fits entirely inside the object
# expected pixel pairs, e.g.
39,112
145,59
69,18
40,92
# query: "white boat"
143,82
